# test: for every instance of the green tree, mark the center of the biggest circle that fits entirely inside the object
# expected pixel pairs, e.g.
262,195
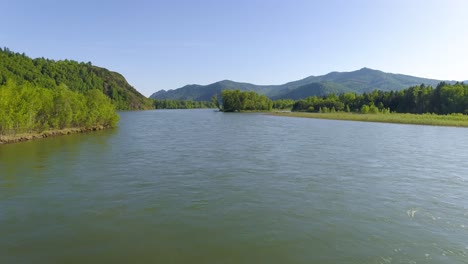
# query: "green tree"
235,101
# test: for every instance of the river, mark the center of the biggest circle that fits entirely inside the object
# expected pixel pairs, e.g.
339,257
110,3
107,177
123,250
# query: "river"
198,186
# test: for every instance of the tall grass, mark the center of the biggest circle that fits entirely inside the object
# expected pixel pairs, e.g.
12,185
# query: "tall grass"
456,120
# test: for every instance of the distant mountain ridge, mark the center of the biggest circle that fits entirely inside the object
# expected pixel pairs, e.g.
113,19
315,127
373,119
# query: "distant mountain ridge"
363,80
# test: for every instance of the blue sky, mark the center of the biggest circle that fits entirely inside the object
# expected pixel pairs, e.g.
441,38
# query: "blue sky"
167,44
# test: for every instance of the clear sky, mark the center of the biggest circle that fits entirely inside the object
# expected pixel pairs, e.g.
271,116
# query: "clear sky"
167,44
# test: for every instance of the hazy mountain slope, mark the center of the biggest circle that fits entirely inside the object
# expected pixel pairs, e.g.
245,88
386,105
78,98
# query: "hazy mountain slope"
363,80
313,89
205,92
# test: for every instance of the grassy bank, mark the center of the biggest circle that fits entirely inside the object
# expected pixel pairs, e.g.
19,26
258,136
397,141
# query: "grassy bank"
5,139
456,120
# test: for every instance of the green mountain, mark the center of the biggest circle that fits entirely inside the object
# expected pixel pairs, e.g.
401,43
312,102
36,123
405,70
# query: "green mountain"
197,92
313,89
79,77
363,80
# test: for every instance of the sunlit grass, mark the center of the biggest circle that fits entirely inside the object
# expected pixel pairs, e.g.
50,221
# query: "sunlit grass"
457,120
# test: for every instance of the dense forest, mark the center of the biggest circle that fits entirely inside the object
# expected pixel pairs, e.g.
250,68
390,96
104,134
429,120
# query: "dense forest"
444,99
236,100
78,77
26,108
38,95
181,104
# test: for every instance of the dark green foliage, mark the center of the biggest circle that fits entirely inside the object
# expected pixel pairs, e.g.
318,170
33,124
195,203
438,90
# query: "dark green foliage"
79,77
236,101
215,101
314,104
283,104
445,99
29,108
313,89
181,104
360,81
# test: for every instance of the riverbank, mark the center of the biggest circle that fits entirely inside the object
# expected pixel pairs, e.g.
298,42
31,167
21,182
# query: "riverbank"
7,139
455,120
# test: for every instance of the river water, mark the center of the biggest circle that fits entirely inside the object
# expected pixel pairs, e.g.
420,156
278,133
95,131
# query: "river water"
198,186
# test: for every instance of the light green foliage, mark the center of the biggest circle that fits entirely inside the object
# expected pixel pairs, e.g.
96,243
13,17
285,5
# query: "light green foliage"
364,109
235,101
373,109
385,111
100,109
28,108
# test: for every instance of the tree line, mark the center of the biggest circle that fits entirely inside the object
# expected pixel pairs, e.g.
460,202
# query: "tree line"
236,101
26,108
283,104
444,99
181,104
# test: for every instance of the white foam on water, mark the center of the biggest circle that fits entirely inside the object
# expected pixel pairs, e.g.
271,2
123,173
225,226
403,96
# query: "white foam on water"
386,260
411,212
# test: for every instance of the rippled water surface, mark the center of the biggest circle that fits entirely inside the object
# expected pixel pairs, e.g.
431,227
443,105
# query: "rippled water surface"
196,186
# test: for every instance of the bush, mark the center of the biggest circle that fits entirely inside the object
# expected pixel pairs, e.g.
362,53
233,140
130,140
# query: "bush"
373,109
364,109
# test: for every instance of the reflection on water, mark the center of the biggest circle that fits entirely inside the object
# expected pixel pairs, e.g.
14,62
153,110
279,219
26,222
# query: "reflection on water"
31,161
204,187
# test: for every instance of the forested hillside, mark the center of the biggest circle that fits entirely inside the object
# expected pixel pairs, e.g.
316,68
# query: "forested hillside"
360,81
205,92
78,77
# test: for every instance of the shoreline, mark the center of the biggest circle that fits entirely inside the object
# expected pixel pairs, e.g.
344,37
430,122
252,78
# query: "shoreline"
393,118
23,137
